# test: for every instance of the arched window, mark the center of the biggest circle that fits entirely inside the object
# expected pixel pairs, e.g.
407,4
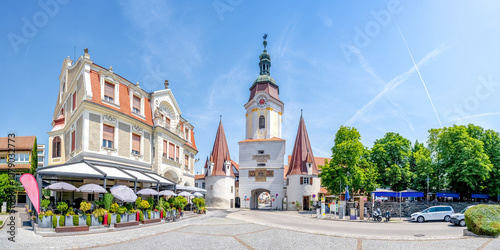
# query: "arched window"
262,122
56,147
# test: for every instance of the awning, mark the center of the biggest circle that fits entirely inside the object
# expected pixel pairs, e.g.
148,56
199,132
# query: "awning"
102,170
385,193
446,194
480,196
412,194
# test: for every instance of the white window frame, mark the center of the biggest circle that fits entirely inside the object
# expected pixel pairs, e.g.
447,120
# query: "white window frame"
133,93
110,79
305,180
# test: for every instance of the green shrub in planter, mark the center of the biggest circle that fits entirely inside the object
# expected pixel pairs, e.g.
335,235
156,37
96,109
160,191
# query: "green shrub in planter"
62,218
109,218
483,219
118,218
76,220
100,218
114,207
54,221
141,216
121,210
88,220
149,214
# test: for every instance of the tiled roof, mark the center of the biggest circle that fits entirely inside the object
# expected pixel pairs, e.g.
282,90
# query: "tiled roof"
268,88
124,99
323,190
192,144
236,165
220,153
199,177
20,142
302,151
270,139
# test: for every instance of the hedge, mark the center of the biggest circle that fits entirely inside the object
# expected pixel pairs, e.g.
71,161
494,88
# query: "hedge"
483,219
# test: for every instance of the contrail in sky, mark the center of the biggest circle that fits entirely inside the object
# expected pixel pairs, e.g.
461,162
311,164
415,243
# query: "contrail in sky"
418,72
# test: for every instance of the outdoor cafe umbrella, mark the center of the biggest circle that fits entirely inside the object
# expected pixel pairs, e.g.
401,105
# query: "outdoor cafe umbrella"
92,188
167,193
196,194
147,191
347,197
185,194
61,186
123,193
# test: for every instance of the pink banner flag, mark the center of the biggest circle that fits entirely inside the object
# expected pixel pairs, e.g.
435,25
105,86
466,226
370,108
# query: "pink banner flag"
31,187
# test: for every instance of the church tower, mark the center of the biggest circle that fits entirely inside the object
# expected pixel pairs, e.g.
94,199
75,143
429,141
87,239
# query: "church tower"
302,175
262,152
219,174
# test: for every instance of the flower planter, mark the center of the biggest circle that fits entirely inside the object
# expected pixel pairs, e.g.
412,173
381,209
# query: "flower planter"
46,222
95,221
124,217
113,219
68,221
82,220
156,215
131,217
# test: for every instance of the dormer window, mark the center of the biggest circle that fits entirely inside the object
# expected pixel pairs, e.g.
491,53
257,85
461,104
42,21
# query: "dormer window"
167,123
109,92
136,105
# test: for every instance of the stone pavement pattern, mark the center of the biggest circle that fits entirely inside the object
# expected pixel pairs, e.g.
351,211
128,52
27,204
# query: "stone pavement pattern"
217,231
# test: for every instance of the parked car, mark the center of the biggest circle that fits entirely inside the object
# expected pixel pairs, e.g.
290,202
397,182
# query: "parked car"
434,213
459,219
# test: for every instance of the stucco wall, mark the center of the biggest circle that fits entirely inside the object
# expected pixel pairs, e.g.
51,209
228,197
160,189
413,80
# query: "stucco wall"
220,196
123,144
296,191
94,132
67,145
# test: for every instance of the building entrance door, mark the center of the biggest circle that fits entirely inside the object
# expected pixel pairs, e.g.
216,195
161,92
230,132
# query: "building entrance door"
260,199
305,203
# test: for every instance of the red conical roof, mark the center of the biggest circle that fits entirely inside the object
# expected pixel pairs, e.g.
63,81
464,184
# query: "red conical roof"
302,153
220,153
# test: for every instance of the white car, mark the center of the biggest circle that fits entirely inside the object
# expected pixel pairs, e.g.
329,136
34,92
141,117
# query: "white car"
459,219
434,213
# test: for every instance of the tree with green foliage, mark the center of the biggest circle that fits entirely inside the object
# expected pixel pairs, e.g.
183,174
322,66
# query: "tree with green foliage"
107,200
349,164
462,158
422,168
7,186
34,158
391,155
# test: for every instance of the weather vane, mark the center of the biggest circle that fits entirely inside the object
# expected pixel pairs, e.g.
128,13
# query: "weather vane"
265,36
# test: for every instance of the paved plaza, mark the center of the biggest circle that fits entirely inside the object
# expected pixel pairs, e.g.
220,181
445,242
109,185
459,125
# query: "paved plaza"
245,229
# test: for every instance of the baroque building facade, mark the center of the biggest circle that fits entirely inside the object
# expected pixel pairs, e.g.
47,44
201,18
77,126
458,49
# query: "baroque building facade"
101,116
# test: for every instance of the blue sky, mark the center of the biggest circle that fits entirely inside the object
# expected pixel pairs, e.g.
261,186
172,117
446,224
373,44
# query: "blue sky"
342,62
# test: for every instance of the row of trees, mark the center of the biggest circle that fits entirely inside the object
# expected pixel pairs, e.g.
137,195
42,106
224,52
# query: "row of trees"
465,159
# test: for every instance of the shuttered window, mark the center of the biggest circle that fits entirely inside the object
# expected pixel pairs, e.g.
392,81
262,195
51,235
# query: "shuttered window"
56,147
108,135
137,105
311,180
171,151
73,143
186,160
177,153
167,123
109,92
165,149
301,180
136,144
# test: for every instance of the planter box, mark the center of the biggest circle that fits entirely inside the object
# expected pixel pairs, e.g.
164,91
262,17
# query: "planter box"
113,219
151,221
95,221
82,221
72,229
46,222
124,217
127,224
131,217
156,215
68,221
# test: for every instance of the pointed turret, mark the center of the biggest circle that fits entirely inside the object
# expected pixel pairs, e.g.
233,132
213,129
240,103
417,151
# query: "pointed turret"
220,154
302,161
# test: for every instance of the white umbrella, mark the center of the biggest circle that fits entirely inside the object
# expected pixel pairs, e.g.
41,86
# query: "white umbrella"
147,191
168,193
92,188
123,193
196,194
185,194
62,186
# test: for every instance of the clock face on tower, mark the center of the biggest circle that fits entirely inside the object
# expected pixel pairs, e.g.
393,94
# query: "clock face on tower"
261,102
